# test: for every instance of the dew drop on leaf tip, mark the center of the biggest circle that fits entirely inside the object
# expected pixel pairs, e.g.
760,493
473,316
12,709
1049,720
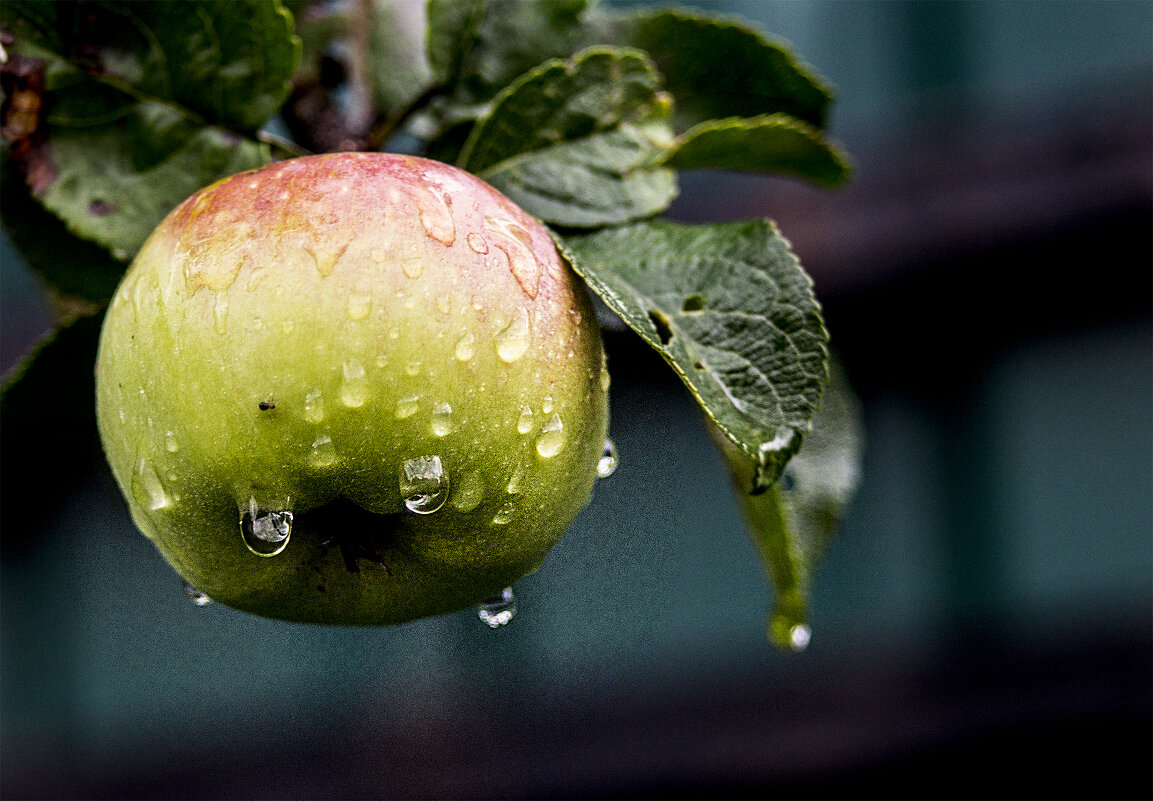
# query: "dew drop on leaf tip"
497,610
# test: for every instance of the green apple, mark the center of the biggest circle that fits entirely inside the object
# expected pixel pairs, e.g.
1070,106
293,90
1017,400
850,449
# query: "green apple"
352,388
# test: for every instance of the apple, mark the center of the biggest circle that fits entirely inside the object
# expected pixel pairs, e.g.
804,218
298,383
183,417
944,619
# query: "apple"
352,388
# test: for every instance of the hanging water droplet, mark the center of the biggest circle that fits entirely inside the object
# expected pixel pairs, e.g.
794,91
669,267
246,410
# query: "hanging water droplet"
323,452
266,533
465,347
196,596
359,305
442,422
407,406
517,481
498,610
552,438
512,340
413,267
608,462
354,390
147,489
314,406
469,492
424,484
787,629
799,636
524,422
477,243
546,404
170,443
504,514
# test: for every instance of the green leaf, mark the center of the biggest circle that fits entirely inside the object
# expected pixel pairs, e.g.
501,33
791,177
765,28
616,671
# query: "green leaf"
478,47
138,104
731,310
572,141
769,143
792,522
399,68
717,68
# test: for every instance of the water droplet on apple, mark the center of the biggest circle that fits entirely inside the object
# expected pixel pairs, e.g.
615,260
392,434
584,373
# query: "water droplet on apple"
504,514
442,422
498,610
378,255
424,484
443,304
552,438
407,406
314,407
608,462
412,368
359,305
170,443
512,340
524,422
265,533
469,492
465,347
517,480
195,595
287,325
220,313
323,452
477,243
413,267
354,390
546,404
147,489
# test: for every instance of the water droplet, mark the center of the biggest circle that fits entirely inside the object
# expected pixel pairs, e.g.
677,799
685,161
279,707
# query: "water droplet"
799,636
782,440
552,437
605,379
465,347
412,368
498,610
355,388
423,484
170,443
517,481
378,255
546,404
512,340
477,243
504,514
477,302
265,533
220,313
314,407
394,333
323,452
442,422
787,629
287,326
435,215
443,304
413,267
524,422
469,492
359,305
382,360
407,406
197,597
608,463
147,489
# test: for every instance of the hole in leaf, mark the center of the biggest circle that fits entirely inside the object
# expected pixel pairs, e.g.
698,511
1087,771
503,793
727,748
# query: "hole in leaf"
661,322
693,303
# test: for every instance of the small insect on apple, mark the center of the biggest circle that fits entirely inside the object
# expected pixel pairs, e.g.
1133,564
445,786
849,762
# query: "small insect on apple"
439,382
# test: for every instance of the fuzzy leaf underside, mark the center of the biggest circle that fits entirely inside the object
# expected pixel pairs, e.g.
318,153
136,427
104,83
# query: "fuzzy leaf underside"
731,310
139,104
792,522
572,141
774,143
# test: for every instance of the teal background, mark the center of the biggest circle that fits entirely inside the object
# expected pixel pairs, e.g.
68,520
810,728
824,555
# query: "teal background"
981,625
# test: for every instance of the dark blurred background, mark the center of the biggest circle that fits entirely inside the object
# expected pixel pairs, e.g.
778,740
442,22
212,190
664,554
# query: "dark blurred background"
982,626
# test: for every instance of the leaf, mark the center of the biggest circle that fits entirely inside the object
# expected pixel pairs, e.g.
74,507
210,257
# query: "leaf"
731,310
477,47
399,68
572,141
769,143
791,523
717,68
141,104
